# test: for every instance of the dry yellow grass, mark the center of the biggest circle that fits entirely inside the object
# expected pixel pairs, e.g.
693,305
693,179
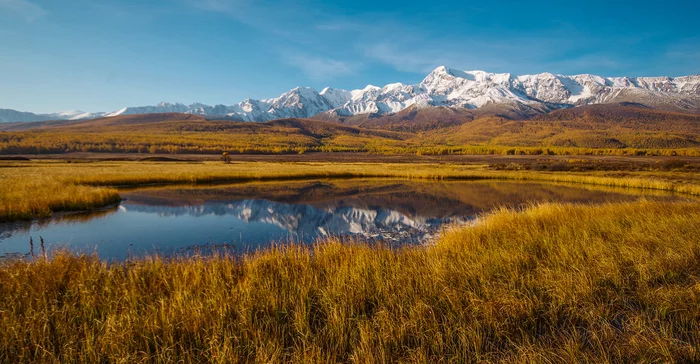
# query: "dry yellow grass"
34,189
39,195
555,283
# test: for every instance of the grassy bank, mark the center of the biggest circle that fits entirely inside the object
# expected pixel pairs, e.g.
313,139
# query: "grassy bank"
37,189
558,283
22,199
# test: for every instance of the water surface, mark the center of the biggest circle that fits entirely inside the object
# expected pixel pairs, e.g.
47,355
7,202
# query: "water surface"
242,217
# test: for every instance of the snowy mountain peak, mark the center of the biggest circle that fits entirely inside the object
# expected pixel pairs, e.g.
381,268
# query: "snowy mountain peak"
443,86
336,98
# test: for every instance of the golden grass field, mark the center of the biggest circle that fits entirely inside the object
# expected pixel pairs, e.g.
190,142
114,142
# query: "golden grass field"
553,283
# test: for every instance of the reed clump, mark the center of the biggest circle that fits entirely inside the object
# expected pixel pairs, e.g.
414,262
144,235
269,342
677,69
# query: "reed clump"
552,283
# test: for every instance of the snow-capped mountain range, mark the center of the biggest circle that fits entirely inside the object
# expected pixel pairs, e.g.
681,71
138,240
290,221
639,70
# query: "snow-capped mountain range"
442,87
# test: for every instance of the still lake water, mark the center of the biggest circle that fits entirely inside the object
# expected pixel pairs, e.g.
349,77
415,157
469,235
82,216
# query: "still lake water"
244,217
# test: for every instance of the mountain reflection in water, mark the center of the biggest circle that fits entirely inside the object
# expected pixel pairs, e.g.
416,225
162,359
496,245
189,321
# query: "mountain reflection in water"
307,220
247,216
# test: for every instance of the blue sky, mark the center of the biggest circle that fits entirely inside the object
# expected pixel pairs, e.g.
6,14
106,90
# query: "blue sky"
101,55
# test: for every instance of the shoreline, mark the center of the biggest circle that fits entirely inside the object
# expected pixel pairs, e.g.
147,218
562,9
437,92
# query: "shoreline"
337,157
528,281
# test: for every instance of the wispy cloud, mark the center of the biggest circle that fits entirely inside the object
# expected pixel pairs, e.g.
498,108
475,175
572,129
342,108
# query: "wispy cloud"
27,10
683,54
339,25
320,68
236,8
411,50
290,28
385,39
686,49
416,55
610,66
404,59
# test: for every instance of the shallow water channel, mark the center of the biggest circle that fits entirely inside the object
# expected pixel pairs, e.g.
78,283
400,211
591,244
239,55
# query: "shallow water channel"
243,217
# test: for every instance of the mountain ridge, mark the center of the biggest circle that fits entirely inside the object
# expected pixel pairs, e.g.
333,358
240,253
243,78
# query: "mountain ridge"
443,87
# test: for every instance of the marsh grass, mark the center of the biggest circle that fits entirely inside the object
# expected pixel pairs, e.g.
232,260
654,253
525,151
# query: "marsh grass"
38,189
552,283
40,197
